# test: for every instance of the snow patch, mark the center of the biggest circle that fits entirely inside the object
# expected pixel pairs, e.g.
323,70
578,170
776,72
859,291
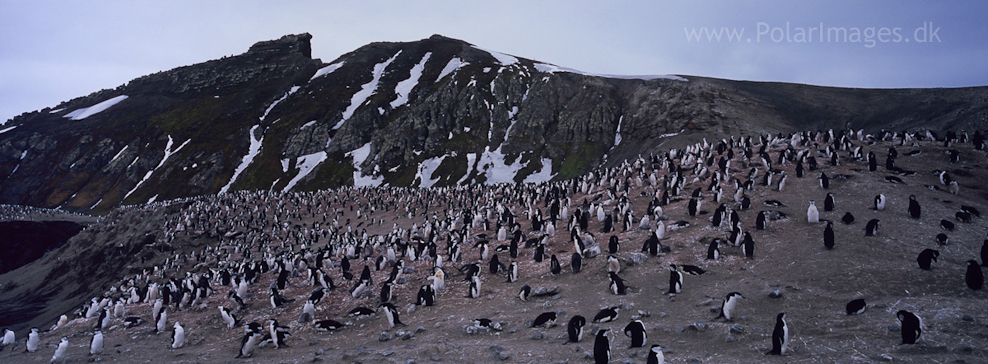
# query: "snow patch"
502,58
7,129
551,68
668,135
544,174
118,154
366,90
327,70
453,65
308,124
404,88
305,165
276,102
86,112
425,170
168,153
359,156
253,151
617,135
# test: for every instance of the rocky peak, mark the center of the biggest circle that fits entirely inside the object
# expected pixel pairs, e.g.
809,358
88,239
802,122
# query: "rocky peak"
292,43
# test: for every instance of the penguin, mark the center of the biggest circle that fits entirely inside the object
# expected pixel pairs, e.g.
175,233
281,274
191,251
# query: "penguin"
308,312
545,319
494,265
880,202
317,295
780,336
984,253
856,307
914,209
974,278
178,337
228,318
575,328
385,292
636,331
926,258
277,300
33,339
728,306
693,207
655,355
828,236
713,250
847,219
426,296
391,313
912,326
104,319
613,245
248,343
691,269
748,246
361,312
554,266
59,355
761,220
871,229
162,321
329,325
946,225
474,287
524,292
942,239
513,272
812,214
277,333
617,285
8,338
607,314
613,264
675,280
132,321
828,202
824,181
602,348
576,262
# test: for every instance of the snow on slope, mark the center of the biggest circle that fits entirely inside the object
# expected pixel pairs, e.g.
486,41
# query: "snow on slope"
425,170
168,153
360,155
86,112
276,102
544,174
453,65
550,68
503,59
404,88
255,148
327,70
305,165
365,91
7,129
617,135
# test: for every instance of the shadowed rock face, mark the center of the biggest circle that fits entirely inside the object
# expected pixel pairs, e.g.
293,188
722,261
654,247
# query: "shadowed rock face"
25,241
278,120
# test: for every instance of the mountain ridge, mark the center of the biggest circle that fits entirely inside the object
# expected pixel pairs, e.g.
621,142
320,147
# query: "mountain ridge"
438,111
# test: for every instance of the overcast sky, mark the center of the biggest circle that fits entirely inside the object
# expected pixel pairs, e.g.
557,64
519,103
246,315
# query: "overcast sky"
52,51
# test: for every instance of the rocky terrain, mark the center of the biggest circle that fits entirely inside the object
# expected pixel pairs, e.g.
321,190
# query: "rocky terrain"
791,270
434,112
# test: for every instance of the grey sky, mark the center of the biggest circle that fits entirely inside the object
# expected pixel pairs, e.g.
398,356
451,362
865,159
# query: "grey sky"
52,51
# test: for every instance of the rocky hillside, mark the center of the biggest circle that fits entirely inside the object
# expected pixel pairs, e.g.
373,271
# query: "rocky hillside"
435,112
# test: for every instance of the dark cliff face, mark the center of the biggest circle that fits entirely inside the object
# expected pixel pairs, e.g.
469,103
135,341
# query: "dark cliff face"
25,241
434,112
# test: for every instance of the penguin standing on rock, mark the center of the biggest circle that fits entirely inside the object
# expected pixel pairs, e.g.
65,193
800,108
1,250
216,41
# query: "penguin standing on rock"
829,202
728,306
636,331
828,236
576,262
655,355
812,214
675,280
96,346
602,347
974,277
780,336
914,209
926,258
880,202
574,329
871,229
912,326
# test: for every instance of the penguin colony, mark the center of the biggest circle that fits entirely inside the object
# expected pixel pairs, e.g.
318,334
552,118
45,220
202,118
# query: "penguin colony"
267,267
